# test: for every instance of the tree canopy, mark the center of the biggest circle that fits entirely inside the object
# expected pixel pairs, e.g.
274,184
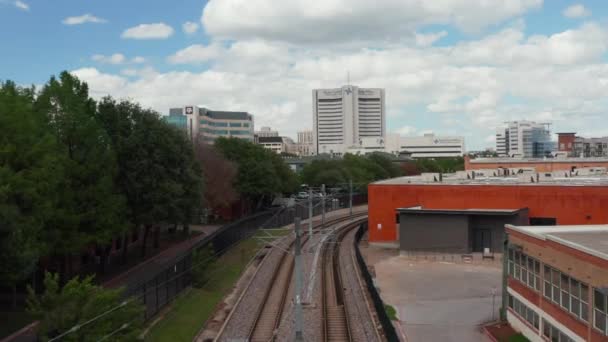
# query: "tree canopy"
261,172
59,309
360,169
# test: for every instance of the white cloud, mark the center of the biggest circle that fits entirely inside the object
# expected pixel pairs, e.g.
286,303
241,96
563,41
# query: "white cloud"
576,11
148,31
429,38
117,58
190,27
129,72
196,53
466,89
85,18
407,131
22,5
323,21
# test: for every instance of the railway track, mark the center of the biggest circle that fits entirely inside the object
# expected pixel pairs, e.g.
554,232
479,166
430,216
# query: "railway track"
336,324
276,297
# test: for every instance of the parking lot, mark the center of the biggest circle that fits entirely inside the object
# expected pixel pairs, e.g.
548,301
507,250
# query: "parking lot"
438,301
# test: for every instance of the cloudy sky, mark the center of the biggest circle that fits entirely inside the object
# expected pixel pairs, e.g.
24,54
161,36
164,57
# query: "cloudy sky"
448,66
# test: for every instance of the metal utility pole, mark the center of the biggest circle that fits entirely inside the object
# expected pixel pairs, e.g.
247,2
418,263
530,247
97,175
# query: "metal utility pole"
350,196
323,206
298,277
310,213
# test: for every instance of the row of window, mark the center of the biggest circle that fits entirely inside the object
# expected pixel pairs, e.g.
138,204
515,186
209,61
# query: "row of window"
561,289
225,132
525,269
224,124
549,331
600,311
553,334
523,311
568,292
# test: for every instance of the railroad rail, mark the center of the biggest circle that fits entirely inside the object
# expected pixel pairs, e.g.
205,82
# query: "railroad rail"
336,324
269,314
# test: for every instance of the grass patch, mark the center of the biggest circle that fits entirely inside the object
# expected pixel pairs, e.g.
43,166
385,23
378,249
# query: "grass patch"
518,338
390,312
12,321
192,309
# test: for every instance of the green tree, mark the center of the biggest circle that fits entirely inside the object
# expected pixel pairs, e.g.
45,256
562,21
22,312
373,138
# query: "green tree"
90,209
261,173
360,169
158,173
29,172
60,309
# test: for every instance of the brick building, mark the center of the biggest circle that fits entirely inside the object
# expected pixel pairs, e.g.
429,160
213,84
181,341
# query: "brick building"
556,282
548,200
539,164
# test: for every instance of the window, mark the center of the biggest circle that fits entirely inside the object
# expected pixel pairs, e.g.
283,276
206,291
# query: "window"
553,334
238,132
567,292
235,124
600,311
524,268
245,124
524,312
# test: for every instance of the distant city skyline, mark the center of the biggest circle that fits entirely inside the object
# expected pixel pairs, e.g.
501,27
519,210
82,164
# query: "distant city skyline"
457,69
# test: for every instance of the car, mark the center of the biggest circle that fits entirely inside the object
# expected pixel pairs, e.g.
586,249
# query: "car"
302,195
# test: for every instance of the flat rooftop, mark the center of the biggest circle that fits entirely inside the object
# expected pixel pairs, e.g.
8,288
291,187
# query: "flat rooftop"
491,212
591,239
536,160
450,179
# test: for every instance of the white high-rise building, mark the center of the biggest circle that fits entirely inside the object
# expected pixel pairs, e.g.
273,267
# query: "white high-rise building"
433,146
348,117
266,132
524,139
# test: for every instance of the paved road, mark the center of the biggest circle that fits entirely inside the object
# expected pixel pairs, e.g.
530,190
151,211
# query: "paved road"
439,301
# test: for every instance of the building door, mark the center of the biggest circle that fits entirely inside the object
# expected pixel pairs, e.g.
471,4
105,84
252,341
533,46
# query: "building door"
482,238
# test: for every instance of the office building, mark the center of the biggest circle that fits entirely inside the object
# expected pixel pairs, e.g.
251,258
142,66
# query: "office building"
581,147
304,145
266,132
208,125
524,139
556,282
348,117
432,146
275,144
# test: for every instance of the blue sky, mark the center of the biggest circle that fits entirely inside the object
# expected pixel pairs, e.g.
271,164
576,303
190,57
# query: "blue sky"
461,69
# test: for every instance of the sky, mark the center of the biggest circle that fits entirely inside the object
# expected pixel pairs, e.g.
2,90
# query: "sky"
452,67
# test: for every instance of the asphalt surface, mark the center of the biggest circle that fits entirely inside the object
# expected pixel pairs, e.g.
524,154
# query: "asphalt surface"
439,301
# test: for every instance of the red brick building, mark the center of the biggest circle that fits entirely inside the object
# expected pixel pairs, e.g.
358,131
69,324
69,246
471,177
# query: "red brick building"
560,201
540,165
556,282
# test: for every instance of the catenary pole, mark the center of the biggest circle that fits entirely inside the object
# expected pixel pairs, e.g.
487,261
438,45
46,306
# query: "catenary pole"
298,277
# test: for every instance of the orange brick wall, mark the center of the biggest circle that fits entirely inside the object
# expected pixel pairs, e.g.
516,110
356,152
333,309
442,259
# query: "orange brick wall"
568,204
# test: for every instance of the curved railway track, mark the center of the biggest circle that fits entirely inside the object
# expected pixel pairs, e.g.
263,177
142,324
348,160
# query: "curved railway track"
336,324
276,297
